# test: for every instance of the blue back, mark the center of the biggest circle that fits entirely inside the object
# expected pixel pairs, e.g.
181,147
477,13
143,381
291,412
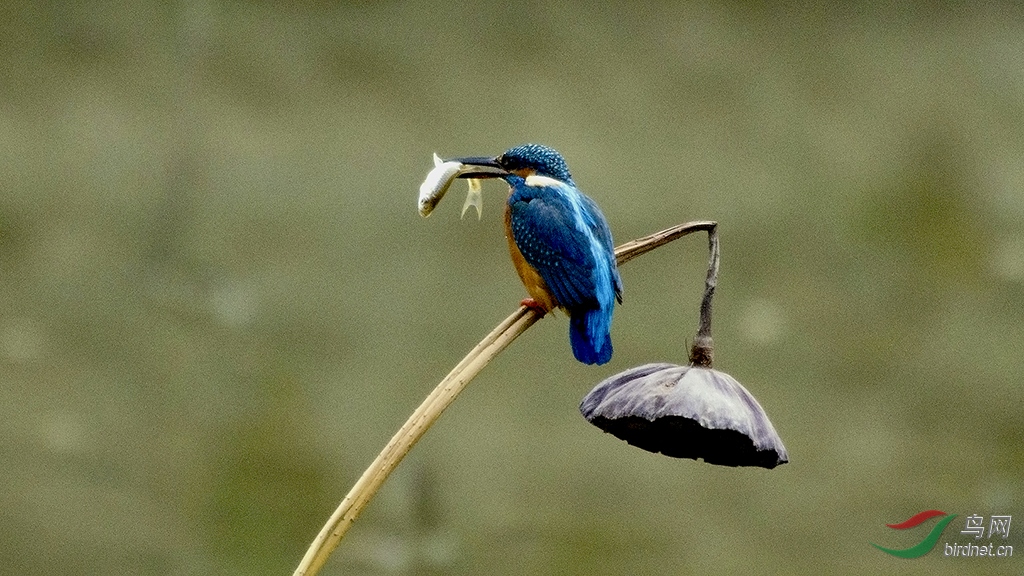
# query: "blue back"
565,237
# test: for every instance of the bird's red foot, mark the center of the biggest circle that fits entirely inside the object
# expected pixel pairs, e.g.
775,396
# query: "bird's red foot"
534,305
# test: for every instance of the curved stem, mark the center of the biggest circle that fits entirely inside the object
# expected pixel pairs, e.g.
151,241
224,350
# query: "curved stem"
414,428
445,393
702,352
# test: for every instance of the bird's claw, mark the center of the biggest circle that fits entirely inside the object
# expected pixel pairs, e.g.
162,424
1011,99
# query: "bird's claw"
534,305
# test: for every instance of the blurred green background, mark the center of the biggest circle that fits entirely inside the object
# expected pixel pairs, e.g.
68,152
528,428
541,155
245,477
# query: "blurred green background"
218,302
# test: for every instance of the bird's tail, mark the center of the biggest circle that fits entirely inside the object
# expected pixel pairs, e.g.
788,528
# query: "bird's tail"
590,336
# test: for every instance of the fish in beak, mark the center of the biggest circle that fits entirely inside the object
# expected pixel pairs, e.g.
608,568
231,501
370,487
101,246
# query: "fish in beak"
440,179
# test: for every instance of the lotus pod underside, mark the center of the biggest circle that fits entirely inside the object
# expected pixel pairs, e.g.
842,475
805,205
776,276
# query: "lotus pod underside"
686,412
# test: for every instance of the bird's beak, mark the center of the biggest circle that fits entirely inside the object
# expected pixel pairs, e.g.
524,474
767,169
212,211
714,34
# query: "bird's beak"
480,167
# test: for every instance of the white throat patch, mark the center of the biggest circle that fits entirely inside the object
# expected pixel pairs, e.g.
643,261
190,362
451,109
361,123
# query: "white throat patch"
542,181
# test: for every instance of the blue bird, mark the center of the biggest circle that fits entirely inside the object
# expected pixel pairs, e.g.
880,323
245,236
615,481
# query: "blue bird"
560,244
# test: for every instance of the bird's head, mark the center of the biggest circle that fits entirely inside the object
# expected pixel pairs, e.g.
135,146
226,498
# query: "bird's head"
538,159
525,160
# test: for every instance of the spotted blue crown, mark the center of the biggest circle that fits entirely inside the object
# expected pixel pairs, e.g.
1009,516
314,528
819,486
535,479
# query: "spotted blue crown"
536,158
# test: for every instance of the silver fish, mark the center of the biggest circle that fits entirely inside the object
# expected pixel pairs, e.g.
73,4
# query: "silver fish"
437,183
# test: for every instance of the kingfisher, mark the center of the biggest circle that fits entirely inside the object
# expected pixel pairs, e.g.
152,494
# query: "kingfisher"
560,244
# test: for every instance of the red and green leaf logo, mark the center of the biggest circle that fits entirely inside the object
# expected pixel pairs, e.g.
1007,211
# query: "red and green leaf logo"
924,546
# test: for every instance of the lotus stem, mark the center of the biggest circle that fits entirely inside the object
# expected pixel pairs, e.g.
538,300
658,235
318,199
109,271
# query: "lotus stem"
445,393
702,351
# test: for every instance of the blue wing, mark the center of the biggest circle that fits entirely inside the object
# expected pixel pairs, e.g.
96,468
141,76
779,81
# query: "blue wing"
604,237
563,235
557,238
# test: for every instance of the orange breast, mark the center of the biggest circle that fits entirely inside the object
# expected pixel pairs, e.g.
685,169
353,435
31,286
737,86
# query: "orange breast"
535,285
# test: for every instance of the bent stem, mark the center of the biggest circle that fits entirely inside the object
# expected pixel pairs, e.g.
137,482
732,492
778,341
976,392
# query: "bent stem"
445,393
703,348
